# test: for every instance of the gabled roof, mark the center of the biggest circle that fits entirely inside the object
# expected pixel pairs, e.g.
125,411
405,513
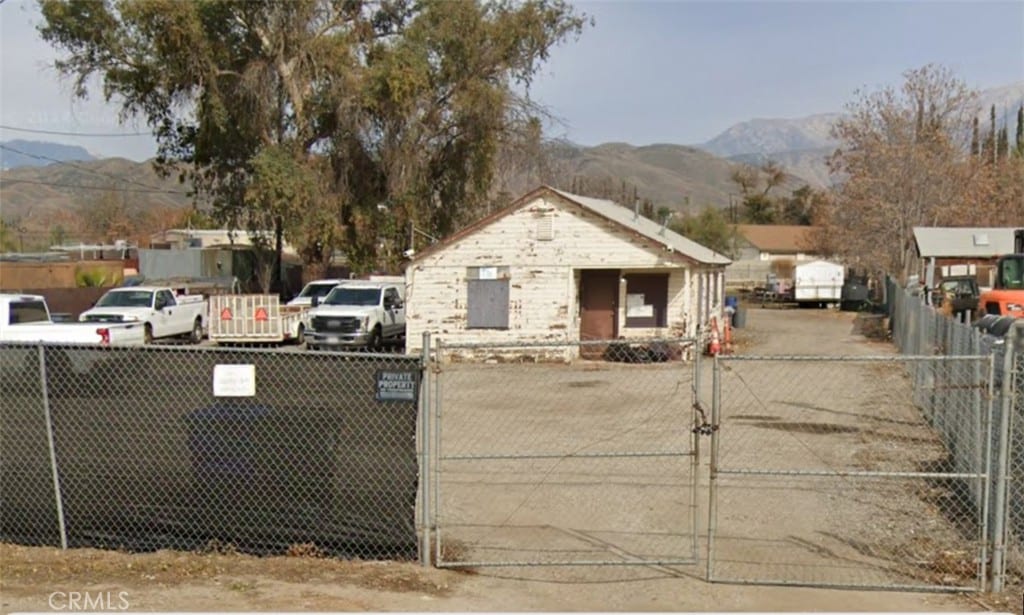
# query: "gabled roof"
962,241
606,209
778,238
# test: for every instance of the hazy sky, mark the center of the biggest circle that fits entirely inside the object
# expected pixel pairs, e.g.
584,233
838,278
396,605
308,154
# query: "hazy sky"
673,71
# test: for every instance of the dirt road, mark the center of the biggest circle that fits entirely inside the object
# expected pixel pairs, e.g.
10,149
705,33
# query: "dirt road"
40,578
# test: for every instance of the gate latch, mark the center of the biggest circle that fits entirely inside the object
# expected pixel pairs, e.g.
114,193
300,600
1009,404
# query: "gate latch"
704,428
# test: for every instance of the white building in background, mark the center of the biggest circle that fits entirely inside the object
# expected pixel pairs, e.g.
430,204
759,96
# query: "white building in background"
179,238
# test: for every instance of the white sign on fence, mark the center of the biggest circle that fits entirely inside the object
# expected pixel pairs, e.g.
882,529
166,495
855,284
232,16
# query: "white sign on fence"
234,380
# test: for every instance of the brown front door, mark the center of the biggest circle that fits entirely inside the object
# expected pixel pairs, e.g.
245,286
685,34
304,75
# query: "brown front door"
599,308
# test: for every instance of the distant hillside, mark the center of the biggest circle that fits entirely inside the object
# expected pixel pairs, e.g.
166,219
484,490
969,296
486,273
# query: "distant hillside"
808,164
37,197
669,175
38,153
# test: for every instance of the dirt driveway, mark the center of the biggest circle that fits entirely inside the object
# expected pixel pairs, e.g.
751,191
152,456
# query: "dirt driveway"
166,581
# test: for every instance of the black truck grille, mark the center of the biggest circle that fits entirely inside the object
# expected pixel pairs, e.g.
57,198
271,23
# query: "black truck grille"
331,324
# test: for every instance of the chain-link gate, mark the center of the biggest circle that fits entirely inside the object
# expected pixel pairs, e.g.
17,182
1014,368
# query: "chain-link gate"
195,448
544,458
868,472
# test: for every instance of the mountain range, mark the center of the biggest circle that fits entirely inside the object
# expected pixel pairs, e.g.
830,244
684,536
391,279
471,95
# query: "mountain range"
801,145
678,176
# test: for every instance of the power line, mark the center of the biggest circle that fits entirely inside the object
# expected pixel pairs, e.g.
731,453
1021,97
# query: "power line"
76,134
5,180
87,169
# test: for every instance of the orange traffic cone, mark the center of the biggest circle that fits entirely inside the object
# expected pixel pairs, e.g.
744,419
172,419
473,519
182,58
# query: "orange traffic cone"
714,346
727,338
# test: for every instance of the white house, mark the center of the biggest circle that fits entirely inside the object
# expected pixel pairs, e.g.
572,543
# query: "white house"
555,266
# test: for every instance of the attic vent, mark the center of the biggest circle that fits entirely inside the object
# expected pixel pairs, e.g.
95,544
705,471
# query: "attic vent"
981,239
545,227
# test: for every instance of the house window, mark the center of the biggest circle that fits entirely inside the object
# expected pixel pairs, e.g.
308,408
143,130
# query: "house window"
487,298
646,300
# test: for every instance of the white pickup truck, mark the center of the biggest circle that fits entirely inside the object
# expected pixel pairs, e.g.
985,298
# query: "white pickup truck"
317,289
360,314
161,313
26,318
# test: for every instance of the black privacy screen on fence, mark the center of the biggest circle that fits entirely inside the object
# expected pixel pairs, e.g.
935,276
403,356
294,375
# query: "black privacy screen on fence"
131,448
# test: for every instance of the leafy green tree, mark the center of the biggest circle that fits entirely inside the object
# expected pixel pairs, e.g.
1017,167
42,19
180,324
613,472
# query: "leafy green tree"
393,110
7,242
709,228
759,209
58,235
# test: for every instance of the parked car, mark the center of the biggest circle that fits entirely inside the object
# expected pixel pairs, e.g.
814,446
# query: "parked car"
161,313
362,314
26,318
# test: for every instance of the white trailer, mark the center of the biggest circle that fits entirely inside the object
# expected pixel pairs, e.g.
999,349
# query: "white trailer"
248,319
818,283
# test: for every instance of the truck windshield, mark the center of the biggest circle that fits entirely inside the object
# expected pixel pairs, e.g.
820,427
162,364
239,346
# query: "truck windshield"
344,295
317,290
1011,273
126,298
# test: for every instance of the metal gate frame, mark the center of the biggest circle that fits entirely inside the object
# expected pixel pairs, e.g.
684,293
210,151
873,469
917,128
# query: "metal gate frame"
433,390
983,513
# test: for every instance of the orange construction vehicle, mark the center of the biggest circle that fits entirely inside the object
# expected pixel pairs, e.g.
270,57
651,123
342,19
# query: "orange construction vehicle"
1007,295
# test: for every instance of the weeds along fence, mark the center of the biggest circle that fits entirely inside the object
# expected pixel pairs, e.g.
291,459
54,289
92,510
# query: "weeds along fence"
919,329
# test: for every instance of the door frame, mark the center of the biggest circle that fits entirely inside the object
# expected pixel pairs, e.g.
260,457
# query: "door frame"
599,273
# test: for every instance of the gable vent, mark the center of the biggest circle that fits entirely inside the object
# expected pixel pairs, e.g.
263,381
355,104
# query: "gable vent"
545,227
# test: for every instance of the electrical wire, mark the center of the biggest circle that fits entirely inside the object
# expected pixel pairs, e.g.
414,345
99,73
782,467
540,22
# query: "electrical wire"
5,180
88,170
75,134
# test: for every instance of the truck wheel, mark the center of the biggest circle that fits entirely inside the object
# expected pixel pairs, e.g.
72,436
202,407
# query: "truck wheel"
301,335
197,332
147,334
375,339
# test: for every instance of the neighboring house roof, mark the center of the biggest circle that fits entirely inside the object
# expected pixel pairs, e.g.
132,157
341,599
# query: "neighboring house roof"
609,210
778,238
952,242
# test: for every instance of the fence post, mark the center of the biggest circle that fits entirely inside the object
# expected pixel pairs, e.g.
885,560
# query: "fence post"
716,417
1000,504
425,466
438,409
695,450
53,449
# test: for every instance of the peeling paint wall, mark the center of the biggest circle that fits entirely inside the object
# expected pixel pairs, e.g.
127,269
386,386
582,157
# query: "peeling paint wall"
543,277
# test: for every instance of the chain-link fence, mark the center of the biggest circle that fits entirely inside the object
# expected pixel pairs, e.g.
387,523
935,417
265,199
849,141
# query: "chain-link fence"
918,328
188,448
1009,532
827,471
576,453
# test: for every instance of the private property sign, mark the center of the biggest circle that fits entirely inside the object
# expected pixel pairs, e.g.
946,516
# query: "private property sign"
397,385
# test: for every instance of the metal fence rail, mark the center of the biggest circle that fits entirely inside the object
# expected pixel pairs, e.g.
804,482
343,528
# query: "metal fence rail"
131,448
827,471
544,458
